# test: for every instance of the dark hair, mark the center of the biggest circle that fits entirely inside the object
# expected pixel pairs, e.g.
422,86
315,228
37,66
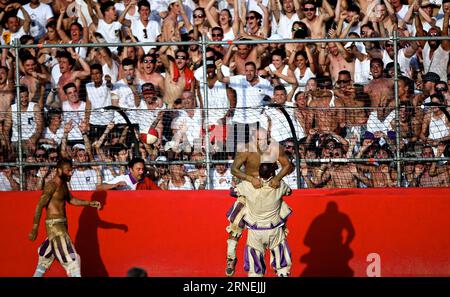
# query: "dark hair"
217,28
136,272
267,170
344,72
279,52
375,60
251,63
25,38
23,89
78,25
230,22
135,161
304,55
143,3
353,7
127,62
106,5
68,86
97,66
64,161
51,24
279,88
67,55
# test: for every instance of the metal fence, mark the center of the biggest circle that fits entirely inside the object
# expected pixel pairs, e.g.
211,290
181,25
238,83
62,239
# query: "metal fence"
398,158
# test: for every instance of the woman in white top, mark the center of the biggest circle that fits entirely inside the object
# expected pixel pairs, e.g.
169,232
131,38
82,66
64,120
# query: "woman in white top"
281,72
302,64
78,33
223,19
178,180
436,123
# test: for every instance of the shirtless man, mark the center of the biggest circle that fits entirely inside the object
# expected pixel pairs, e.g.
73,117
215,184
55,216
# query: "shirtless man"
381,94
58,243
428,174
260,149
149,75
179,77
326,116
6,98
170,30
342,175
355,119
66,64
335,59
237,56
316,24
34,80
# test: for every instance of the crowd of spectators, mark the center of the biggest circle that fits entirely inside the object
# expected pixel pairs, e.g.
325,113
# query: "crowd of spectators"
339,96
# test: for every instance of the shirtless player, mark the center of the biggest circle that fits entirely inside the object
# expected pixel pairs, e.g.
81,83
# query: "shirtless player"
58,243
260,149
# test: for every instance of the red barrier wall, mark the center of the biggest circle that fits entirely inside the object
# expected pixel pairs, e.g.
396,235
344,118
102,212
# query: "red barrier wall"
183,233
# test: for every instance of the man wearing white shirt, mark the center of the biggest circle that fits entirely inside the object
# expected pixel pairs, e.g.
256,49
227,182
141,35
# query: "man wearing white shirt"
12,23
126,92
250,93
143,28
40,14
221,177
275,120
108,26
98,97
84,178
126,181
218,101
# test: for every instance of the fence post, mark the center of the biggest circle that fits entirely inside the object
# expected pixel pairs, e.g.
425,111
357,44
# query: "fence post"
397,122
16,45
206,121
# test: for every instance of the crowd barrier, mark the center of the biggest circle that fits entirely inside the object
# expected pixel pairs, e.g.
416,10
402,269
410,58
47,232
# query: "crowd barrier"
397,232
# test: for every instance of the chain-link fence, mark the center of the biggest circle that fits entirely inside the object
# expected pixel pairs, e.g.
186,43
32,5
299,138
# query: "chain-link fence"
345,142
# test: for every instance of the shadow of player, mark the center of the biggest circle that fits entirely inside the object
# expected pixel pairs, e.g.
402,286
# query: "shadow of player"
329,253
86,241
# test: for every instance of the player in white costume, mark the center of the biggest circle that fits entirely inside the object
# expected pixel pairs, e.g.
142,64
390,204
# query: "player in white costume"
265,216
261,148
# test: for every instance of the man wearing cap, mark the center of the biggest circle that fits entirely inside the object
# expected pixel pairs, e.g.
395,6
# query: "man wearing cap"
426,11
220,103
435,53
84,178
148,74
151,111
429,81
169,29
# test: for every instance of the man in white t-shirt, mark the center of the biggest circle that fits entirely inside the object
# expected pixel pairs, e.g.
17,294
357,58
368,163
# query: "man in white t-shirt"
144,29
40,14
126,93
126,181
108,26
221,177
250,93
12,23
84,178
98,97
